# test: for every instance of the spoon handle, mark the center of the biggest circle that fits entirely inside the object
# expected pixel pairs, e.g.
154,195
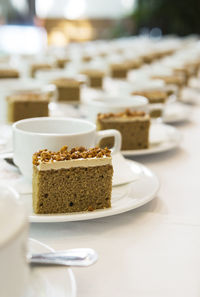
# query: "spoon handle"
82,257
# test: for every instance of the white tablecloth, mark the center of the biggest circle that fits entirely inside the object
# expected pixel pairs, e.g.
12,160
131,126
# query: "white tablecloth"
153,251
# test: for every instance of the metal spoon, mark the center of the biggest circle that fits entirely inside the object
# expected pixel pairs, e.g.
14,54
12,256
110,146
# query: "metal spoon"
82,257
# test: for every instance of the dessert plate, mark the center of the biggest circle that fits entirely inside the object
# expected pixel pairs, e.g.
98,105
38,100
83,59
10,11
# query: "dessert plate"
124,198
176,112
49,281
162,138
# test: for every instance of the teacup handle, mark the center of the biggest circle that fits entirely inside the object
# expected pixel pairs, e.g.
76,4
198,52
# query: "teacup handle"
108,133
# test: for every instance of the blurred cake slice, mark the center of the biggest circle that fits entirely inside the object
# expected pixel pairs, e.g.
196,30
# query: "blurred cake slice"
156,98
73,180
68,89
119,70
27,105
9,73
133,126
39,66
95,77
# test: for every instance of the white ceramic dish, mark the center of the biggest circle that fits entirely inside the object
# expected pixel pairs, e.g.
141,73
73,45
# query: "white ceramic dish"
162,138
124,198
49,281
176,112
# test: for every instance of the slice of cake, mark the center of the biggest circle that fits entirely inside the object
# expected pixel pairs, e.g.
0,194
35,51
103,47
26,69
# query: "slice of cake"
86,58
73,180
134,63
9,73
119,70
156,98
95,77
27,105
61,62
68,89
39,66
173,79
133,126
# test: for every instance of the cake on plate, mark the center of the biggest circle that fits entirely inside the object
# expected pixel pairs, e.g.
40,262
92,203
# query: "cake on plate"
61,62
119,70
156,98
134,63
73,180
68,89
9,73
172,79
27,105
95,77
39,66
133,126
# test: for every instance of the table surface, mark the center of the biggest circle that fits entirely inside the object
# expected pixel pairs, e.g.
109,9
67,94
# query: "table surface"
153,250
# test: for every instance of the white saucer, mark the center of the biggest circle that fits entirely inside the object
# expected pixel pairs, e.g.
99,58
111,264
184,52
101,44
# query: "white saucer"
176,112
124,198
162,138
49,281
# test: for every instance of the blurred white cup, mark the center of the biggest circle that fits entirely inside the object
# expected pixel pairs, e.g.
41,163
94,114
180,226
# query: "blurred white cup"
114,104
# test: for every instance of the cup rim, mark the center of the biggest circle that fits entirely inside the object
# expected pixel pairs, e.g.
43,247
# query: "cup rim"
105,103
16,128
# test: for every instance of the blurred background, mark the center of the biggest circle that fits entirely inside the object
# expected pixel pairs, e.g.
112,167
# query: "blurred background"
28,25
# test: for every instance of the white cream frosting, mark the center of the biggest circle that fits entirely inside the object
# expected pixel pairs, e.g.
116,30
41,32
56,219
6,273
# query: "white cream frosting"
66,164
127,119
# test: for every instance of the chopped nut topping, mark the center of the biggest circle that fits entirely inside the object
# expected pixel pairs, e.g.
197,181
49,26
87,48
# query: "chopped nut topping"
45,156
124,114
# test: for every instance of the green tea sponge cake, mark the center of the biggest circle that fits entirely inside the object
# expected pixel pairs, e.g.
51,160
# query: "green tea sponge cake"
133,126
95,77
9,73
119,70
27,105
39,66
61,62
172,79
156,98
73,180
68,89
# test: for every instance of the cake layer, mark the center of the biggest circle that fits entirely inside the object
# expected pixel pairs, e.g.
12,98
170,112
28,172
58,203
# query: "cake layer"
66,82
65,158
72,190
19,110
125,119
125,116
23,97
90,162
9,73
133,126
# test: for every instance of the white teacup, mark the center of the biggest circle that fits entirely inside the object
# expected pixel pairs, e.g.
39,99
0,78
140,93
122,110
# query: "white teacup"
14,270
114,104
32,135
